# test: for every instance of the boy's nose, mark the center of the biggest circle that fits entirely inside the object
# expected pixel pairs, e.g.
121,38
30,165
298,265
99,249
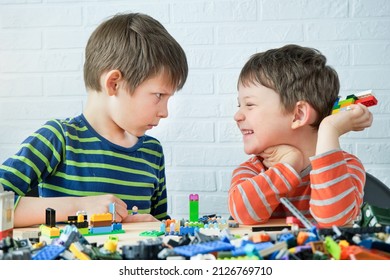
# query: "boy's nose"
238,116
163,112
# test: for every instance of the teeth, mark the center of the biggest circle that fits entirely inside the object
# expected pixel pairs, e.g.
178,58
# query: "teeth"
245,132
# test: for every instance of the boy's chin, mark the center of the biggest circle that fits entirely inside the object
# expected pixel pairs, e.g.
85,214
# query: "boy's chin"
249,151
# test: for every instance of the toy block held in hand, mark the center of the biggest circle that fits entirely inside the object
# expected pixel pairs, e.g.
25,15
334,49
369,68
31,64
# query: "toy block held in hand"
366,98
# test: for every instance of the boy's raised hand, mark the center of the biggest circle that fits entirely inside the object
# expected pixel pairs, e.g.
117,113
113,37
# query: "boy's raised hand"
283,154
356,118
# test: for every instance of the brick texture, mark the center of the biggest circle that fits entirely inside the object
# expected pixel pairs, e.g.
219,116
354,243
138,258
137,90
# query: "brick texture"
41,60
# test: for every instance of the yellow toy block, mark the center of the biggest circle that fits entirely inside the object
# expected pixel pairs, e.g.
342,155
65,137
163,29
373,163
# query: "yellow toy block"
50,231
76,249
101,217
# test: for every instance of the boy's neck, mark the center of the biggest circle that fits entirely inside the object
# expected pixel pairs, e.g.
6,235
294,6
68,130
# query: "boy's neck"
95,112
306,143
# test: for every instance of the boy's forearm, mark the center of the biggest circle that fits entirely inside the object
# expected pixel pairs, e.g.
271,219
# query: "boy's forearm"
328,139
259,191
32,210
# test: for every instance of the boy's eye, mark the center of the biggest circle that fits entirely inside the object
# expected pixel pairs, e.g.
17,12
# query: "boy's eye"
158,95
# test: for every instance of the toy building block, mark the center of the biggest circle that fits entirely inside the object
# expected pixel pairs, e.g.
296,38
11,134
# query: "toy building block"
188,230
7,213
104,224
112,210
79,251
33,236
291,220
147,249
152,233
49,229
366,98
233,224
194,207
318,246
258,238
354,252
101,223
50,217
80,220
108,251
203,248
49,252
296,213
332,247
52,232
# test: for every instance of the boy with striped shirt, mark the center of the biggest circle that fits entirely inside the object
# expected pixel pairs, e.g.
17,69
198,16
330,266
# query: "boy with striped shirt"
285,98
132,68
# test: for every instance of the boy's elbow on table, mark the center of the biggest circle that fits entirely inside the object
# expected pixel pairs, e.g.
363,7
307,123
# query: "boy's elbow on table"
241,214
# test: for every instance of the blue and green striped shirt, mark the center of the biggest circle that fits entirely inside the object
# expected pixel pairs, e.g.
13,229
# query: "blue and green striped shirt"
69,158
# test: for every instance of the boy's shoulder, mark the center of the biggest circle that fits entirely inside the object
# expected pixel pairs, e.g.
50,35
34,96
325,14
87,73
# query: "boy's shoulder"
65,123
152,144
150,140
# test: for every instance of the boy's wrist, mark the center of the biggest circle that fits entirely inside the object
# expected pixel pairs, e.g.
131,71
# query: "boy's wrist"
328,128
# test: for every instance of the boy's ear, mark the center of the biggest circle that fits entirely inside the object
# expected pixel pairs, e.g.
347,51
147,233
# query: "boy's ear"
111,82
304,114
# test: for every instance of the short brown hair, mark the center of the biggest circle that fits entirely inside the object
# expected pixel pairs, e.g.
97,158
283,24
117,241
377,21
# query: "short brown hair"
296,73
138,46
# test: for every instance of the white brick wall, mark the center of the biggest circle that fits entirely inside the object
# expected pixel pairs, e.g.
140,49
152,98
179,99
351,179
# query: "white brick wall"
41,58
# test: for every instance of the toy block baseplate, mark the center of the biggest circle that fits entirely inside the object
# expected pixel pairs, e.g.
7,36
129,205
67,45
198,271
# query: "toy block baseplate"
366,98
152,233
48,233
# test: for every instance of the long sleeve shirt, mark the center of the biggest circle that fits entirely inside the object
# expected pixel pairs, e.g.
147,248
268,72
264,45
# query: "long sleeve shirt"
330,190
69,158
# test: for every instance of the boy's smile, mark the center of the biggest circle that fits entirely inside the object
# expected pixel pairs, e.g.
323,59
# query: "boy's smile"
260,118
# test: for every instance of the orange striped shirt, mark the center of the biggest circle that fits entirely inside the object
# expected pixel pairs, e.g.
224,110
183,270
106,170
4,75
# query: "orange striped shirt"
330,190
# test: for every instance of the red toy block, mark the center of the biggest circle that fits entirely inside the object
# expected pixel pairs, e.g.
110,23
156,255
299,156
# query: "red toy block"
367,101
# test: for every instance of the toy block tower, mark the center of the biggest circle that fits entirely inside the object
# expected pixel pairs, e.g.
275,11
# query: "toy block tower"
49,229
7,213
366,98
194,207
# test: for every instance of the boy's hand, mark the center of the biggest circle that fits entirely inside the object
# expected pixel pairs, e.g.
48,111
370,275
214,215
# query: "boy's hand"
139,218
284,154
357,118
100,204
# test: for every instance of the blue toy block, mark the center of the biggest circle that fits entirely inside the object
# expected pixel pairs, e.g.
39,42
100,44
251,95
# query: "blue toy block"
188,230
289,238
203,248
99,230
49,252
257,246
116,226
